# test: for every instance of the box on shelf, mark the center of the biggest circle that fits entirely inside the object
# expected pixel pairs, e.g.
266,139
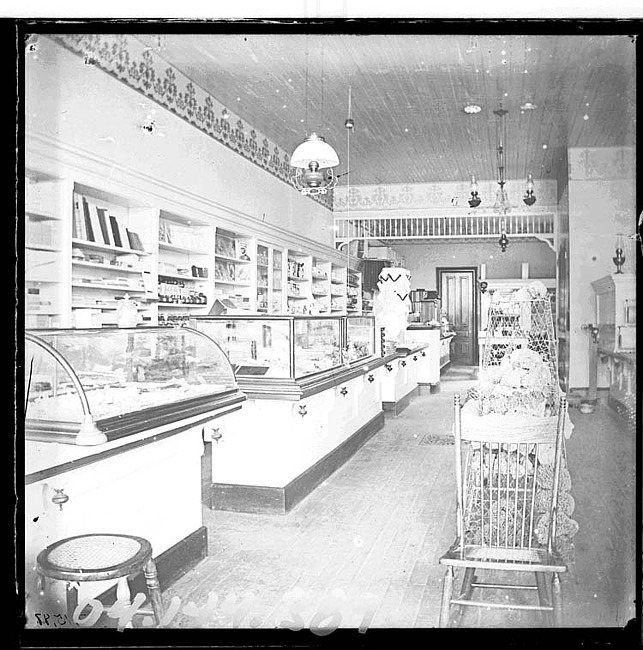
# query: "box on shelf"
87,317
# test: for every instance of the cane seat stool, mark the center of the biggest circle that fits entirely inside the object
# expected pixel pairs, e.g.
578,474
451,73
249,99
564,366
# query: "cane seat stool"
101,556
499,479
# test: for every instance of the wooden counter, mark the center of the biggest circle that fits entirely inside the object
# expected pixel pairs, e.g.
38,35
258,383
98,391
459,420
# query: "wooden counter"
291,435
438,351
146,484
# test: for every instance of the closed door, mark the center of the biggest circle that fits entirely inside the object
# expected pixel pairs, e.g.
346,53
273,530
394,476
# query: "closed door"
456,292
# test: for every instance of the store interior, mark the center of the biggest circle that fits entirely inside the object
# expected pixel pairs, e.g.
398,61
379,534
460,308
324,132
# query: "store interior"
260,268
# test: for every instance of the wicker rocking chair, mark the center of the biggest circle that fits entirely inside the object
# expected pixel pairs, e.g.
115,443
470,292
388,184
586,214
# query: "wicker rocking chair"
507,495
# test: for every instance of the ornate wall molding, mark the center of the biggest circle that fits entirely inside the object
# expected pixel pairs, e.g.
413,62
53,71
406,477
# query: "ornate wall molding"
601,163
131,62
426,196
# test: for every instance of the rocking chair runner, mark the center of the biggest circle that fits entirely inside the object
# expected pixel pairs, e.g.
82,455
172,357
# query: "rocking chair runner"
503,479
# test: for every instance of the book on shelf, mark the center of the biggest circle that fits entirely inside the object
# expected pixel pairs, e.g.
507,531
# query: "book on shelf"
104,228
115,231
78,224
89,231
134,240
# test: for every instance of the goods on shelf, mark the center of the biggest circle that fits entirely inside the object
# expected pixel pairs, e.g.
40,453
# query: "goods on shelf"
519,371
518,391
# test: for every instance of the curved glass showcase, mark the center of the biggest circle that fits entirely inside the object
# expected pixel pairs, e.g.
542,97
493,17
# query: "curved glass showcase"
93,385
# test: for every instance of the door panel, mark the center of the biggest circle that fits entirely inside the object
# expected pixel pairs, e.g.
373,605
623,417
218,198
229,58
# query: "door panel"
456,292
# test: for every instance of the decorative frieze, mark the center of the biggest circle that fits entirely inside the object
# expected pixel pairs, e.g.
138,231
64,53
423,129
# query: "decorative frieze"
451,196
130,61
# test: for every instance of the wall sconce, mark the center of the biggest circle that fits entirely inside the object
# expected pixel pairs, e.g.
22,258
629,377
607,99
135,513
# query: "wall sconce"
530,197
483,286
592,329
619,260
475,200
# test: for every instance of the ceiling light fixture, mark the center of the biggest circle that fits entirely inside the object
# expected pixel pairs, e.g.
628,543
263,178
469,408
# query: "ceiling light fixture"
472,109
314,159
502,205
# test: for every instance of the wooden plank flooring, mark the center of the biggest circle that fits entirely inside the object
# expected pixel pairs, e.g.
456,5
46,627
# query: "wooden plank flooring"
364,546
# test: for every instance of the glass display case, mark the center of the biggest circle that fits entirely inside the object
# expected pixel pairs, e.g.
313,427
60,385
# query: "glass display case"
90,386
360,337
283,347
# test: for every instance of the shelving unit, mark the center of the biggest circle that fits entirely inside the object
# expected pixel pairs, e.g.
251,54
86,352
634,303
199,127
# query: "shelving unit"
277,282
354,292
47,236
299,283
320,288
263,278
234,269
112,257
338,279
185,266
93,245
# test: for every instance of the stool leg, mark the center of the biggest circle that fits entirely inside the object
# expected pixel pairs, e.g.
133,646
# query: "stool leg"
124,596
72,598
557,600
447,590
153,589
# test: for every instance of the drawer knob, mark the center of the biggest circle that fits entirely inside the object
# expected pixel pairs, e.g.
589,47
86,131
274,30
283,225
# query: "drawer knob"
302,410
403,364
389,367
59,498
371,378
344,391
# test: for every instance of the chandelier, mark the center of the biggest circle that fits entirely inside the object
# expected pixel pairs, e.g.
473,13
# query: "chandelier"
314,158
502,205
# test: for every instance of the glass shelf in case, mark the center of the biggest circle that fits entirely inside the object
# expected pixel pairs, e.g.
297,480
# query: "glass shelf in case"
360,337
281,347
88,386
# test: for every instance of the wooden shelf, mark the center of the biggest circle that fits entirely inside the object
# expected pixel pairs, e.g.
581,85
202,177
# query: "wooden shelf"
232,282
182,249
171,276
189,305
43,247
84,243
40,215
110,267
236,260
110,287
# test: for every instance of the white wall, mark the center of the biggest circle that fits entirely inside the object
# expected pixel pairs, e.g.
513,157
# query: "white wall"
422,259
82,107
602,202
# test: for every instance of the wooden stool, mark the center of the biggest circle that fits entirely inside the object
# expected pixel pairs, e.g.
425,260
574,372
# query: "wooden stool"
102,556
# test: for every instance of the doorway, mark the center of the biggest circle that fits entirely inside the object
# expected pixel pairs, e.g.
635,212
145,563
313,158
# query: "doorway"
458,298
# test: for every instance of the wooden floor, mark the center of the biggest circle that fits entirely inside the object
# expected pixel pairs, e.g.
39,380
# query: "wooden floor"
362,550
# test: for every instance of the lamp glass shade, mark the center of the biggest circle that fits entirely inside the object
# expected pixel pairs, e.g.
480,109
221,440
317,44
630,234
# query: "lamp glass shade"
314,148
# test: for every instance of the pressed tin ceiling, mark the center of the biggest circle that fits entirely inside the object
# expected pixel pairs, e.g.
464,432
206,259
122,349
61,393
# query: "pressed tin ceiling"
409,92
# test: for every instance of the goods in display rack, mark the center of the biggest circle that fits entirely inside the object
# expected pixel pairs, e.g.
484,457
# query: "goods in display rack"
519,372
518,391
